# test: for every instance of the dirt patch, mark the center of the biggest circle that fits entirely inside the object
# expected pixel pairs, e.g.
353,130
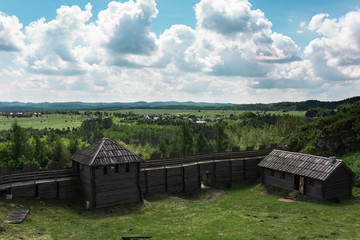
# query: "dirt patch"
286,200
214,193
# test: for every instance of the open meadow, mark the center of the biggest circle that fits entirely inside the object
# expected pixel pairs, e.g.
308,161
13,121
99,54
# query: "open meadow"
202,113
64,121
56,121
248,211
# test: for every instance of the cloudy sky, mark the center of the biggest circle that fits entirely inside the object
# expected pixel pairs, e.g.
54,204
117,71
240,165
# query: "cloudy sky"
238,51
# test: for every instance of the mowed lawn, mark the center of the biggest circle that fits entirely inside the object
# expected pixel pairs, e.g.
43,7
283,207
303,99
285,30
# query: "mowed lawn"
245,212
56,121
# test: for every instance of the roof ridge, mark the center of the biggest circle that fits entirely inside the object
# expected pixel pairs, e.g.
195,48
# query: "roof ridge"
305,154
97,151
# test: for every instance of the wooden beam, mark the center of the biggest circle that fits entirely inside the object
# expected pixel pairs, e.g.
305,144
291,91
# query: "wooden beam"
93,188
136,237
230,170
141,196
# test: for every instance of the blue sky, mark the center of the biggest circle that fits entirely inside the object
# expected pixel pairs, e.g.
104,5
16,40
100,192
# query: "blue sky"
235,51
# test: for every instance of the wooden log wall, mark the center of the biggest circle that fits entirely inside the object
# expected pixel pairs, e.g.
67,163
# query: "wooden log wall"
23,191
116,186
251,169
30,167
47,190
87,187
69,188
175,179
119,186
274,178
338,184
238,171
64,188
192,179
223,173
155,181
186,173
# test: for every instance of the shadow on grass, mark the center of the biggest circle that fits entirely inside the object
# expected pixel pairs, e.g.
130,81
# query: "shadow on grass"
282,193
73,205
196,195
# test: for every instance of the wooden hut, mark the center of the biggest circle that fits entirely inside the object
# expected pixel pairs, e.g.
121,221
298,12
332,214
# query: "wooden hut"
319,177
110,174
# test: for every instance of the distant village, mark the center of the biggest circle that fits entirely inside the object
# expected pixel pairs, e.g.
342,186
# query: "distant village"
181,118
20,114
94,115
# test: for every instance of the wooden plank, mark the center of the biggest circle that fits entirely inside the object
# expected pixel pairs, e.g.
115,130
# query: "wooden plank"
136,237
16,216
47,190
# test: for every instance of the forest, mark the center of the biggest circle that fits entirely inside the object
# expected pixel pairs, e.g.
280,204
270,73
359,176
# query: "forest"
321,132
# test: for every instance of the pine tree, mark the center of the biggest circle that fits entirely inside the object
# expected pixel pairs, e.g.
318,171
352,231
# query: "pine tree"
163,149
60,152
186,139
200,142
221,138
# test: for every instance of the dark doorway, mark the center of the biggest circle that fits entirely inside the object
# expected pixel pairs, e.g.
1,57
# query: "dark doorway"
296,182
207,179
299,183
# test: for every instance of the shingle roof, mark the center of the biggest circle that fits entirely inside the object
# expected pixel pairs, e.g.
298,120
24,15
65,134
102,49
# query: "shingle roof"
105,152
301,164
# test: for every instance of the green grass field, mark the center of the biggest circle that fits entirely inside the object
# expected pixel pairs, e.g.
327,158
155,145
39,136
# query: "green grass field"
202,113
245,212
59,121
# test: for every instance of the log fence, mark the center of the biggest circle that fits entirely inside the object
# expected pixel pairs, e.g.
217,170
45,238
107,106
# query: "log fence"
178,173
37,175
201,158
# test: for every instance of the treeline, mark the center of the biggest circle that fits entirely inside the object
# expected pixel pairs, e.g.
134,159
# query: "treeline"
296,106
242,130
20,146
334,134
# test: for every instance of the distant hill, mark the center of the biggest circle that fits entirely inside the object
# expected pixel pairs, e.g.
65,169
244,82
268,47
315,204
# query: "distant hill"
281,106
46,106
296,106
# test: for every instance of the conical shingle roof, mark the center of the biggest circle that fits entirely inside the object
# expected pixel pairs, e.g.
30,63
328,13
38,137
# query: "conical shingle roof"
105,152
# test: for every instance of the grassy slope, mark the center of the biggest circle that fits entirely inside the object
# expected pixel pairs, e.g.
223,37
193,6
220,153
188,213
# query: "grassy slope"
246,212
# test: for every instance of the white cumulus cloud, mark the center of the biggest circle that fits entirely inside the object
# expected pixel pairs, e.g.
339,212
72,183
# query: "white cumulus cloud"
232,39
126,27
336,55
55,47
11,37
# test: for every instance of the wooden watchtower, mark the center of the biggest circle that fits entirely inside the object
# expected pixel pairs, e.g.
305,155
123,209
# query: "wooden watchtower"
110,174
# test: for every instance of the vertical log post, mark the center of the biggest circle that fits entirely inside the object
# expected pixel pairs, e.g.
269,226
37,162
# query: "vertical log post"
230,169
244,168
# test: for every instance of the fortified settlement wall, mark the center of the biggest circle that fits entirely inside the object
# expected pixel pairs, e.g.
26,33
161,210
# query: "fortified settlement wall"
106,174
